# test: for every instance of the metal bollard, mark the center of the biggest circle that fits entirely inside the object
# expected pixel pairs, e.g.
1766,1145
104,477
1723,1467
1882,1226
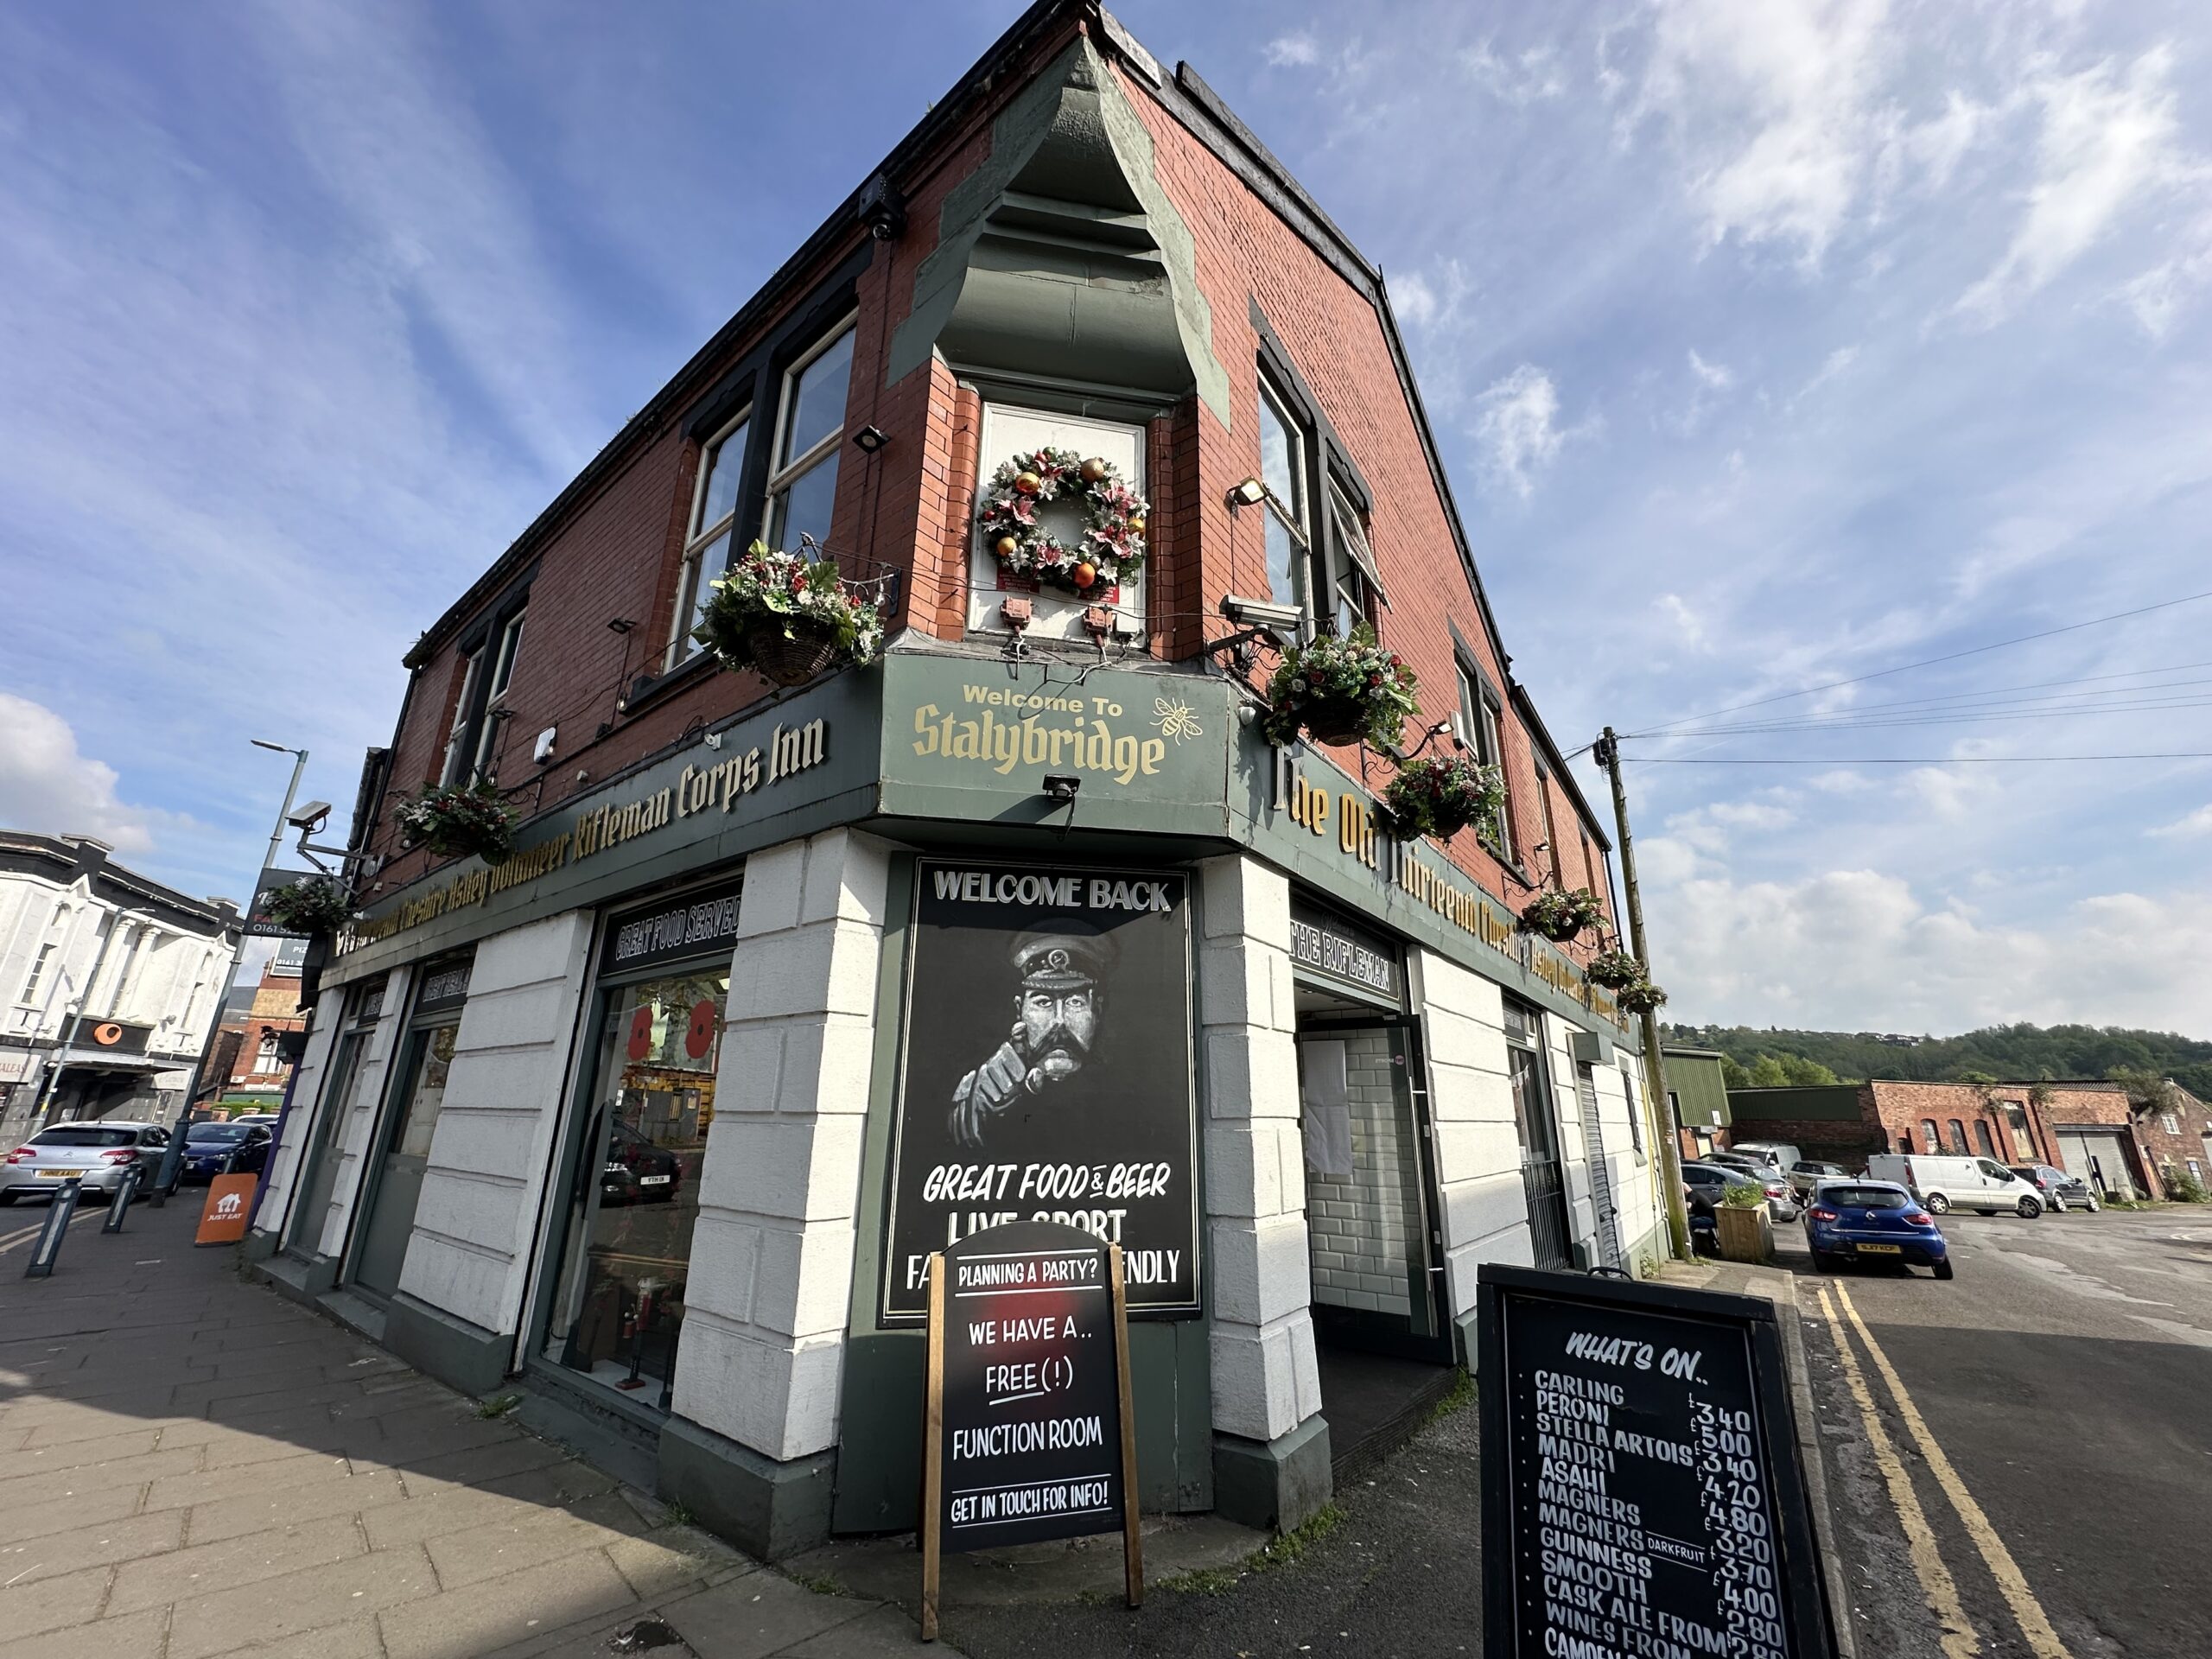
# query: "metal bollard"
125,1190
58,1216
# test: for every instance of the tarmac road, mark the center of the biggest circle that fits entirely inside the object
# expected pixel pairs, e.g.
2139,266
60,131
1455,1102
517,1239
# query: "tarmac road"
2036,1477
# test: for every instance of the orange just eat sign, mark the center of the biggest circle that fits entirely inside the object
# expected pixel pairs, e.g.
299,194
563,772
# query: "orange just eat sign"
230,1202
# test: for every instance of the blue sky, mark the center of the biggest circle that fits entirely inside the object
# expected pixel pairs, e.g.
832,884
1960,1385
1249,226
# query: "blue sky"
1769,344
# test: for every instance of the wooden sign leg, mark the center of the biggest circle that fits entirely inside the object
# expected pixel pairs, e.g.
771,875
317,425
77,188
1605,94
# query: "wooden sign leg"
1132,1535
932,1449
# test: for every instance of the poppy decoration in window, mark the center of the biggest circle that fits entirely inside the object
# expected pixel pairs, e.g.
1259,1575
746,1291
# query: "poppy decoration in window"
1111,544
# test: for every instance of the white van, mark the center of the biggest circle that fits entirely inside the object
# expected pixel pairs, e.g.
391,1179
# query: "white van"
1778,1155
1945,1183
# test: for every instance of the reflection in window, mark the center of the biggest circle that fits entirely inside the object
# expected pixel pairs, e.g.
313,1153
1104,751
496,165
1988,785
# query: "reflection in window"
803,486
1282,469
619,1311
706,550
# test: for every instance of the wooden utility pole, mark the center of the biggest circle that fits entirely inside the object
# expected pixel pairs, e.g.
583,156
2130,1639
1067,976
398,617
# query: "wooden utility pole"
1665,1132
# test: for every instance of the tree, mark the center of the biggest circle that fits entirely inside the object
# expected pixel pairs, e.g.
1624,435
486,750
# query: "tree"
1767,1073
1806,1073
1732,1075
2148,1091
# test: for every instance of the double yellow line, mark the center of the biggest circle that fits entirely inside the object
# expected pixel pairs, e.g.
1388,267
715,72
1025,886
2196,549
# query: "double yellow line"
1960,1640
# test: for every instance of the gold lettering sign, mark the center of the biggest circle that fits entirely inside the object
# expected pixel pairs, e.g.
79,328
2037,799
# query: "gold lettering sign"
1345,817
790,751
1075,732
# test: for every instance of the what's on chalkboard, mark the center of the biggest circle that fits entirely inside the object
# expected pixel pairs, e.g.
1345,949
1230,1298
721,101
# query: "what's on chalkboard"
1642,1495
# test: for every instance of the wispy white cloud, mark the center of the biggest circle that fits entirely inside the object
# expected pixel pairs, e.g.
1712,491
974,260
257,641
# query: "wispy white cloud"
1519,79
2108,140
1293,51
1517,426
2190,826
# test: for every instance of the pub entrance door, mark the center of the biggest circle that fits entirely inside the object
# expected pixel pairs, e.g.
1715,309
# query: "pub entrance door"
1543,1174
1382,1333
400,1153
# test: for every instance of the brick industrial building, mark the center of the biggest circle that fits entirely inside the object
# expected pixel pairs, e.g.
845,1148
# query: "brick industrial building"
643,1117
2088,1129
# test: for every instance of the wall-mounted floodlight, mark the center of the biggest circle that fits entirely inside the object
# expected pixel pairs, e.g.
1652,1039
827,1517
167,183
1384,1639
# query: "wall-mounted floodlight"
1249,494
869,439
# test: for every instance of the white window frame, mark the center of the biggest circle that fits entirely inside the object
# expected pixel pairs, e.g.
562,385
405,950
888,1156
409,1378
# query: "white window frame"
1292,516
1485,718
37,975
452,772
681,645
266,1059
780,479
1352,573
504,651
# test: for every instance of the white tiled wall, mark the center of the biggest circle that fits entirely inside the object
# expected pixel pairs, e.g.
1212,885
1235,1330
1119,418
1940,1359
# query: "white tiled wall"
1358,1228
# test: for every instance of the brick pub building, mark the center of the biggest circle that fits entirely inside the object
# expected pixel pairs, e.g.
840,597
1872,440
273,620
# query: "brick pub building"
661,1118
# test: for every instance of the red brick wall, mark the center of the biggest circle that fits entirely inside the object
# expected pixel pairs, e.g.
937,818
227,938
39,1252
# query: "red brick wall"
617,554
1336,340
2192,1122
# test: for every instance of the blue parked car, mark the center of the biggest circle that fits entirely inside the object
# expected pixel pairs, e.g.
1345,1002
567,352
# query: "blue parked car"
1872,1221
212,1150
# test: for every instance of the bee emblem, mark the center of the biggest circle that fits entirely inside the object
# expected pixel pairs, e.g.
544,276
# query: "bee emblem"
1174,719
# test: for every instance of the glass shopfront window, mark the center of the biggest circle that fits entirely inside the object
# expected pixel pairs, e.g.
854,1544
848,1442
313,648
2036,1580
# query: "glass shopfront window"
624,1232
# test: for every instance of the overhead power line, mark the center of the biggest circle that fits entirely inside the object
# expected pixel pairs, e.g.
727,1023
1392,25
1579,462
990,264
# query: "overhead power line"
1926,662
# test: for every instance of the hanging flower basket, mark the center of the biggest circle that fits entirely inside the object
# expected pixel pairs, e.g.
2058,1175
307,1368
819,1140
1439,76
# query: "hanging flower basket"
787,618
1340,691
1613,970
1643,997
1112,543
458,821
1443,796
1561,916
313,904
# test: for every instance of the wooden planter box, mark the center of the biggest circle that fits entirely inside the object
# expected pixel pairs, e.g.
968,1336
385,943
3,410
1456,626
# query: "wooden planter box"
1743,1234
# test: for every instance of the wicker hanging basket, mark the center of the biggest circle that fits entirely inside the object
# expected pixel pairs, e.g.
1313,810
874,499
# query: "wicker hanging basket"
1336,719
791,650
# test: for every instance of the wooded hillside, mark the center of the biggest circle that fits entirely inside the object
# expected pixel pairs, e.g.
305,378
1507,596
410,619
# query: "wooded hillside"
2018,1052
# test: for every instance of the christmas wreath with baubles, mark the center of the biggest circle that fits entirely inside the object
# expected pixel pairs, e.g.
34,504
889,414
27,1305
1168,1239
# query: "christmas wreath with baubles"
1111,545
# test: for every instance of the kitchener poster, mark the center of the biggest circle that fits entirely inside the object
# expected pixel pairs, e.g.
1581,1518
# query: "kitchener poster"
1046,1072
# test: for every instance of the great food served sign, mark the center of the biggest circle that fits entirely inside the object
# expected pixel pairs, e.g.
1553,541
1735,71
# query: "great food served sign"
1046,1072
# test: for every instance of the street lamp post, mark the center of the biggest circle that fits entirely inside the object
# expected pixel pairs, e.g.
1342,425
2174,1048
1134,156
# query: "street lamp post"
173,1157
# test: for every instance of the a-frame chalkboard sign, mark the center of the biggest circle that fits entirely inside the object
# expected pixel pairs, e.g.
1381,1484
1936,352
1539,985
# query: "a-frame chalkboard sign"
1640,1487
1029,1432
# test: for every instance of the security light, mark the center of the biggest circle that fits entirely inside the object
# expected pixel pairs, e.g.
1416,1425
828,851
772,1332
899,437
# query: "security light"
869,439
1249,494
1062,788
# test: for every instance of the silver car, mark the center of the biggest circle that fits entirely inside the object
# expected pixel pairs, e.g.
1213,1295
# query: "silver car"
95,1151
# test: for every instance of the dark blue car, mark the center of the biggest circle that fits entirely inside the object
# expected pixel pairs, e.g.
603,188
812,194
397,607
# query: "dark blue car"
212,1150
1872,1221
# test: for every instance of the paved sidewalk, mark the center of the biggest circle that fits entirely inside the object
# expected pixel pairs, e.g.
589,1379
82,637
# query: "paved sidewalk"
190,1466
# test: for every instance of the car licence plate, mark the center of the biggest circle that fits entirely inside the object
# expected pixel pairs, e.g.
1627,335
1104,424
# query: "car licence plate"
1882,1249
652,1180
59,1174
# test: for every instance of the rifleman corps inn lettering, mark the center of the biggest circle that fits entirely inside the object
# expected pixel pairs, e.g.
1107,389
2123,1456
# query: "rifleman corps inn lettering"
696,791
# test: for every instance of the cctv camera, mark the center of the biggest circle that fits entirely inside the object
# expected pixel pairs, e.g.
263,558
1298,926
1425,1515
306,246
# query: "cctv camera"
1262,613
310,817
